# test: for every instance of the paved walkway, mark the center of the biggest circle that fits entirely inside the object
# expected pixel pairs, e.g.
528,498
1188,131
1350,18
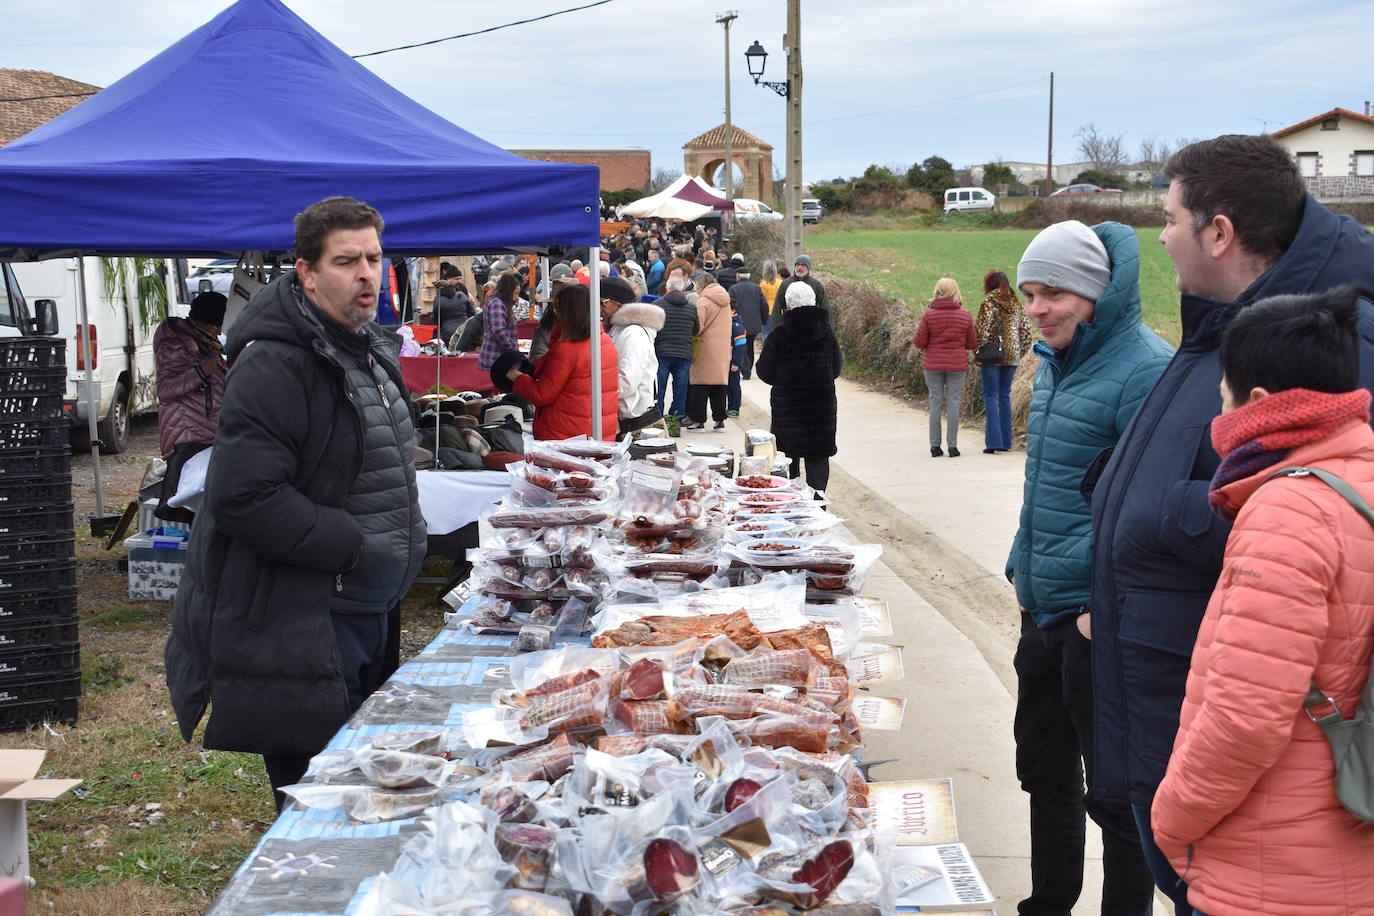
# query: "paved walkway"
960,690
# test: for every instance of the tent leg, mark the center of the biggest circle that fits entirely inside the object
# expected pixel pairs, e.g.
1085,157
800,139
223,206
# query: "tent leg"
594,340
92,401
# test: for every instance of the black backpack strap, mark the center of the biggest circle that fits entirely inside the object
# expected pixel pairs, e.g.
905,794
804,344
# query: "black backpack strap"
1316,698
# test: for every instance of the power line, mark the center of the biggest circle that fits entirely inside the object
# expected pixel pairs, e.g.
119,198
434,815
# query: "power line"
435,41
36,98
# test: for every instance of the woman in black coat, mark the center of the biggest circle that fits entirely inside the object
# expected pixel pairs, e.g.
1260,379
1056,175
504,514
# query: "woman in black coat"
801,360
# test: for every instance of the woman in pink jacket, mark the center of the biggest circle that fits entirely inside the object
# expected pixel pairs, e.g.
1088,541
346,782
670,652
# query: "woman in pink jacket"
1247,812
946,334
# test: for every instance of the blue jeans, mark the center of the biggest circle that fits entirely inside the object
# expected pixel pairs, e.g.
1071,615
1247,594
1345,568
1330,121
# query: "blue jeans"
1166,879
997,406
680,368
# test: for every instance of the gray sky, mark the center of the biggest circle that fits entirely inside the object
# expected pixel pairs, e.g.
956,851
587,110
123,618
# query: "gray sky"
651,72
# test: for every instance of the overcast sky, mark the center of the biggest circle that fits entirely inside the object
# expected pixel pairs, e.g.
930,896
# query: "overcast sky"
651,72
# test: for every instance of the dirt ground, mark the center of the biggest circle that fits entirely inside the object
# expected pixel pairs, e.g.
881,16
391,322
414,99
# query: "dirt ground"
159,824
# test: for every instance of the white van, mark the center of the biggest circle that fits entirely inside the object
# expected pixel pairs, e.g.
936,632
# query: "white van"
747,208
123,364
969,200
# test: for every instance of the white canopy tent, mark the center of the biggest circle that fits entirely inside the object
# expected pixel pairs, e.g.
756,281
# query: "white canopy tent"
685,199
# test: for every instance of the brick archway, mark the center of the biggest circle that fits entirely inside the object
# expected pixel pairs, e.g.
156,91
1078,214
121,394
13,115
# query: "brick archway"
703,156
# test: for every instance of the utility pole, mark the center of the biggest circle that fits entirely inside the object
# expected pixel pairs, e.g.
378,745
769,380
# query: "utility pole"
728,218
1049,151
792,41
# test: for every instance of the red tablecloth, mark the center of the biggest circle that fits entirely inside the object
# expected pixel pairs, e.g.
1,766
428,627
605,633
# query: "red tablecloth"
457,372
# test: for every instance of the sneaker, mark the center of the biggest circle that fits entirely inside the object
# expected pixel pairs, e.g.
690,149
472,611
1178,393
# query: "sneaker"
732,414
720,424
990,451
953,452
693,425
936,451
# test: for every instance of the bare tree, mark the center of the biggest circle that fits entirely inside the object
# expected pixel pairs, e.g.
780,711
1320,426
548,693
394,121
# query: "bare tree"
661,179
1105,150
1154,152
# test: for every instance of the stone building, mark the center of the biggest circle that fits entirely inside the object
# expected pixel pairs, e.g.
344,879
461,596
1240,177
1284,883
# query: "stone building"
703,156
1335,153
621,166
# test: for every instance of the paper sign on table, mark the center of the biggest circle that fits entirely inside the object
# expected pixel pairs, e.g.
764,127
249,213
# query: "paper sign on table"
874,617
882,714
865,670
920,811
959,881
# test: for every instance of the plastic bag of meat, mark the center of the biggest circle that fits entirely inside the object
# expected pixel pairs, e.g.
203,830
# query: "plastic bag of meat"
401,769
529,517
547,762
366,804
577,708
786,667
648,492
548,672
552,459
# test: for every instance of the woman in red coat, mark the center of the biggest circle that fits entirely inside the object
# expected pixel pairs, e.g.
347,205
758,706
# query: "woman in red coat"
946,334
561,387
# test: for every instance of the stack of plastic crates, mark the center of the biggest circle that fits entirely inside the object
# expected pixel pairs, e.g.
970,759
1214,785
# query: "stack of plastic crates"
40,660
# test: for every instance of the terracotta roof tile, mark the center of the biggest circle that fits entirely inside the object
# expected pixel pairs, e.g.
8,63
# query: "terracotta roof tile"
18,118
715,139
1333,113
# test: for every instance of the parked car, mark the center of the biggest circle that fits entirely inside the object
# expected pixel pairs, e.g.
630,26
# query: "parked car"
216,276
746,208
813,211
969,200
1072,189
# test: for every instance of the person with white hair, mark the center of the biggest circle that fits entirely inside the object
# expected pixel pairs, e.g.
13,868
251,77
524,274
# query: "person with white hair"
801,360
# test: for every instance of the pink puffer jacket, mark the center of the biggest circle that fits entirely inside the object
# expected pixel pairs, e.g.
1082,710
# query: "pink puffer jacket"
187,402
946,334
1247,812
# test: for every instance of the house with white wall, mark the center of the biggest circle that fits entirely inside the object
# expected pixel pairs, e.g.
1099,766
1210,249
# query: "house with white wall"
1335,153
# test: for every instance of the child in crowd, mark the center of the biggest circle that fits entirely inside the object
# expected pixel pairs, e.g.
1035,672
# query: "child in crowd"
737,340
1247,812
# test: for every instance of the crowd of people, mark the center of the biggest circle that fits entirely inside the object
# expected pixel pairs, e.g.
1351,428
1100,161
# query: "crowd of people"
1191,562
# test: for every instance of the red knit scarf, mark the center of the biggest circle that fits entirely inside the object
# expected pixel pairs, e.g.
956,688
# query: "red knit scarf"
1260,434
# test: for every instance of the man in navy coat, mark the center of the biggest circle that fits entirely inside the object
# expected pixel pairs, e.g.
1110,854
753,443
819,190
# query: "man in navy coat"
1239,226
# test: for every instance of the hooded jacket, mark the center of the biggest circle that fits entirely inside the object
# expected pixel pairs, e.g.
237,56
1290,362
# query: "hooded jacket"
680,323
252,634
561,389
946,334
188,401
1159,545
633,329
1250,786
711,365
779,303
801,360
1084,397
747,298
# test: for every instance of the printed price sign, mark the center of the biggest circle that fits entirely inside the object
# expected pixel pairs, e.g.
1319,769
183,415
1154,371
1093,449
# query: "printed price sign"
877,667
920,811
874,617
883,714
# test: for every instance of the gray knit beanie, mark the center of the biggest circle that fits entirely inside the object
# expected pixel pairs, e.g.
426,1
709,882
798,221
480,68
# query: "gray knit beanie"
803,259
1068,256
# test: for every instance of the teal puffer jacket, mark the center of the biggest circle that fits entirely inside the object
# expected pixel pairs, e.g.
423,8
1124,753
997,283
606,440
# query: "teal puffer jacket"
1082,401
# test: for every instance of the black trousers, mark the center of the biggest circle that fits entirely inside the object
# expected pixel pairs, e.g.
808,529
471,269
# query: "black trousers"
746,365
698,395
817,471
370,651
1053,756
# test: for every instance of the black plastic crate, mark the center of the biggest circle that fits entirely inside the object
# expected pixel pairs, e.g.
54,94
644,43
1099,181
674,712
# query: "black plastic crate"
35,491
34,381
23,715
33,353
33,433
17,550
14,407
40,522
45,461
59,685
35,632
59,605
37,663
38,577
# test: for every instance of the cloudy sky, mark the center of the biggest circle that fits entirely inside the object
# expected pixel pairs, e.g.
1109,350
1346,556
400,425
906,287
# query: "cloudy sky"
885,82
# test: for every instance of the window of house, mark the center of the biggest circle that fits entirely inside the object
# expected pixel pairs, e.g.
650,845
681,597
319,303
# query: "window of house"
1307,164
1364,162
1331,124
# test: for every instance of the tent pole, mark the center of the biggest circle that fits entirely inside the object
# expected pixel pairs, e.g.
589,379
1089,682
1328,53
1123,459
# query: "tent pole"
91,399
594,340
544,283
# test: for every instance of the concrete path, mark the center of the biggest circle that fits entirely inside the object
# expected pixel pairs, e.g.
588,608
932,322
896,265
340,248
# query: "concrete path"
946,524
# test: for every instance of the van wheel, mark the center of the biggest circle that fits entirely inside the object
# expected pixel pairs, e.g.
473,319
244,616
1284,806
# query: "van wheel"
951,213
114,429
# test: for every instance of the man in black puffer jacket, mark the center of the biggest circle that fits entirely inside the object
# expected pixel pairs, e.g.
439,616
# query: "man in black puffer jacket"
673,344
311,529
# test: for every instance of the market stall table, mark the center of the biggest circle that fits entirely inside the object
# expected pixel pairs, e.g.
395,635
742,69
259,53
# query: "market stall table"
459,372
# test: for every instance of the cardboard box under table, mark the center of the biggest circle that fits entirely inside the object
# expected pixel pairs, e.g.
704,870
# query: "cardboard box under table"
18,787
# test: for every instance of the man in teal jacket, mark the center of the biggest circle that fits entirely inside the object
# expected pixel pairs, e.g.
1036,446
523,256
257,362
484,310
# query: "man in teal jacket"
1097,362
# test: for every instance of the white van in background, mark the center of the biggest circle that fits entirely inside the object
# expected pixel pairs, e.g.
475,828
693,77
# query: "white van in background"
123,364
969,200
748,208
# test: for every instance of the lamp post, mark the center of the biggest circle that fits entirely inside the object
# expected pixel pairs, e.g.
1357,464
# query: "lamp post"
727,218
791,90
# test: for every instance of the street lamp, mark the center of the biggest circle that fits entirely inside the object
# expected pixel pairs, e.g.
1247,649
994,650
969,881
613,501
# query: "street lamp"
757,59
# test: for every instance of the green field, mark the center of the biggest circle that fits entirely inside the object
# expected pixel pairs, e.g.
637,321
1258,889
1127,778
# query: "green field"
906,264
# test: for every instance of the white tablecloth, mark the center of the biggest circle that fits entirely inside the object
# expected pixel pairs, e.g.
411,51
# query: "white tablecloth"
452,499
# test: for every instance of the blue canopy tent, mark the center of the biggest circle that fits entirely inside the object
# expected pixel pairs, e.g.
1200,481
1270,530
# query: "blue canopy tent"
287,118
